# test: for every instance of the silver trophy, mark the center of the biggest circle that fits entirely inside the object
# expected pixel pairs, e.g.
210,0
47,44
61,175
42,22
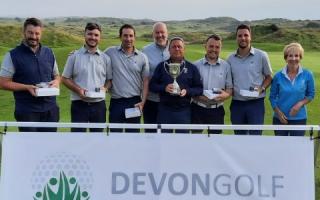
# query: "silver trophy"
174,71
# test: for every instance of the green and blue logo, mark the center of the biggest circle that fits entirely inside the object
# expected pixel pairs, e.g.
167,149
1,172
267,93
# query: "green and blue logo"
62,176
64,192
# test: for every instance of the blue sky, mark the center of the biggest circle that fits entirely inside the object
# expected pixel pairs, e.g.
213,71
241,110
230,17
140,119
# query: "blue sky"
163,9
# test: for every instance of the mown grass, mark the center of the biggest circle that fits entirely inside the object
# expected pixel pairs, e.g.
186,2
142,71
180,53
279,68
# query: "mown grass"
193,52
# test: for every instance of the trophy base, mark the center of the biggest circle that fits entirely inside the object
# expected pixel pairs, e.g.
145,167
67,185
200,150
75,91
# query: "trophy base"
176,89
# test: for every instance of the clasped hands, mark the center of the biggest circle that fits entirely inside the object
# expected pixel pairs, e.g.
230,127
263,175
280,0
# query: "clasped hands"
170,89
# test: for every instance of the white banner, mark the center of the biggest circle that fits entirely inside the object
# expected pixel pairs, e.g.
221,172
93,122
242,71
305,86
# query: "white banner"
73,166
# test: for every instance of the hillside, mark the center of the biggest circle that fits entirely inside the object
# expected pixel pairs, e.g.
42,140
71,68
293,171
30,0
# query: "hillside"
308,37
11,35
68,31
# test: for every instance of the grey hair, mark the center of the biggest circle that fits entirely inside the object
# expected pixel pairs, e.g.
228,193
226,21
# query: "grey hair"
176,38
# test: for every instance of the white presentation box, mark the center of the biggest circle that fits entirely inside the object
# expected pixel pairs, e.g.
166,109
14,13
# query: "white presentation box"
248,93
209,94
44,92
100,94
132,112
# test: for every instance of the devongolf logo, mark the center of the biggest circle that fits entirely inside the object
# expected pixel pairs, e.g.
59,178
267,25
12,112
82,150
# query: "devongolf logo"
62,176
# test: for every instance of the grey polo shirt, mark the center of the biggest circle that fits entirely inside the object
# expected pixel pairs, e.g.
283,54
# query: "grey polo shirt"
128,72
88,70
249,71
8,70
155,54
216,75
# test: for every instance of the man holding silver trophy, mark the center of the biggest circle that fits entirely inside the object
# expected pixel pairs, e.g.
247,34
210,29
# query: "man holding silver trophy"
176,80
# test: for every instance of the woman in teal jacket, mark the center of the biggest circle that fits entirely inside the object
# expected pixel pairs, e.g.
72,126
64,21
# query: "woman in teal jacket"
291,89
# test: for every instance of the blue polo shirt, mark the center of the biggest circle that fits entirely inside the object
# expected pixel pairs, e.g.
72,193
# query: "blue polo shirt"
31,68
248,71
188,79
128,72
156,54
285,93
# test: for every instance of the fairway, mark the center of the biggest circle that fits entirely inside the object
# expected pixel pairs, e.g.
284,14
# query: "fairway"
193,52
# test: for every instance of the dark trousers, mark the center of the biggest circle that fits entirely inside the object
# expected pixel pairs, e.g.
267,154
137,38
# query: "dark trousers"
51,115
247,112
201,115
85,112
150,112
117,112
276,121
169,115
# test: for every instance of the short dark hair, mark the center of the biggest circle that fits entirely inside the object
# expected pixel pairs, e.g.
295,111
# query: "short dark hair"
215,37
243,26
91,26
126,26
32,21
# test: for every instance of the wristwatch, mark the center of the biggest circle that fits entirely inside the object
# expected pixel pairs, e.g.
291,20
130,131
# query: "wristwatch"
263,89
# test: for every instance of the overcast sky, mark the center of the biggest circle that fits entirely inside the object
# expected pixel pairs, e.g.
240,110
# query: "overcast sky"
163,9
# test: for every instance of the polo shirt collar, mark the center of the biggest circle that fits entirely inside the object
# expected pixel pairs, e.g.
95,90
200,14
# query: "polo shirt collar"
85,50
251,52
182,62
285,69
161,47
206,62
135,51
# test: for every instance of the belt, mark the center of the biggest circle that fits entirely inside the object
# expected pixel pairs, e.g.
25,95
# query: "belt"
87,103
217,105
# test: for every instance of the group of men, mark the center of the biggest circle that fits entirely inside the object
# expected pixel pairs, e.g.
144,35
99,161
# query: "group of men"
138,79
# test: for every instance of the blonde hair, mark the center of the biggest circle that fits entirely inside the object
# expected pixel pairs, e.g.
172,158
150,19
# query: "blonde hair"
293,47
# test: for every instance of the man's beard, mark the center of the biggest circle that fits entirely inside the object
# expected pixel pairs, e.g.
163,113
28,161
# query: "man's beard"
92,46
243,46
31,44
211,56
